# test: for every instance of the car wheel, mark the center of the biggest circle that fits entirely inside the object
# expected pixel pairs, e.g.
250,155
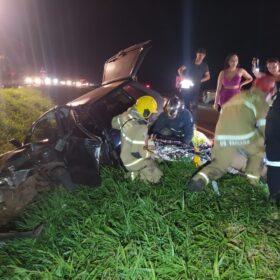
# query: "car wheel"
62,176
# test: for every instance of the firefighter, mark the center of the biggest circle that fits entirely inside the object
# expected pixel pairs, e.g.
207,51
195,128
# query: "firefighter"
240,129
135,155
175,123
272,147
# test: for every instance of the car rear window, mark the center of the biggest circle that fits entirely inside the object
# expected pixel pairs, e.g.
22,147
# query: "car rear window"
111,105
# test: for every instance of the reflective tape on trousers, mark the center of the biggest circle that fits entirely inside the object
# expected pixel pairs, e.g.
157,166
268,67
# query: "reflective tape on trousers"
137,160
252,176
134,162
204,176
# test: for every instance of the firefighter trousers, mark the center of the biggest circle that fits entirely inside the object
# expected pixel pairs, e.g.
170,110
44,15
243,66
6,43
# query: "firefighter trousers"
146,170
222,158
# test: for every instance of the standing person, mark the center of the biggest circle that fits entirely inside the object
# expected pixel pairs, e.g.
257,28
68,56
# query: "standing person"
133,125
240,128
272,147
230,81
197,72
175,123
272,68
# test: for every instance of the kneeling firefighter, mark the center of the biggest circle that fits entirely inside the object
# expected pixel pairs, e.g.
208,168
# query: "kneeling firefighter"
240,129
134,129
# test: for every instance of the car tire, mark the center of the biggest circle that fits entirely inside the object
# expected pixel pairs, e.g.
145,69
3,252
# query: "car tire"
62,176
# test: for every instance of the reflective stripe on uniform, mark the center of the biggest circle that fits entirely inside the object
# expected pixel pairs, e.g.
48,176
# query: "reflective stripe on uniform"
119,122
272,163
134,162
132,175
136,142
204,176
137,160
251,176
235,137
261,122
132,141
248,104
251,106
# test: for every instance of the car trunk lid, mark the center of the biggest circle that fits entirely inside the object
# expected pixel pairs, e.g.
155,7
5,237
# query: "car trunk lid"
125,64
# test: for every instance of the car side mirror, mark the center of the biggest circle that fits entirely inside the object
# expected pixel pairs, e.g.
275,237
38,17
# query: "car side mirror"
15,142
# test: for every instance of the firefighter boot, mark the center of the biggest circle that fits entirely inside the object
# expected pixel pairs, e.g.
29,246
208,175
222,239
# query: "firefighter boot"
196,185
275,199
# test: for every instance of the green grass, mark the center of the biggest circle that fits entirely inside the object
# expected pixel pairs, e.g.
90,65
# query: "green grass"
19,108
131,230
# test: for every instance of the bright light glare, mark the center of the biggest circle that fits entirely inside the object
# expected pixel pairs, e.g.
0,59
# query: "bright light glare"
37,81
55,81
78,84
186,83
69,83
28,80
48,81
63,83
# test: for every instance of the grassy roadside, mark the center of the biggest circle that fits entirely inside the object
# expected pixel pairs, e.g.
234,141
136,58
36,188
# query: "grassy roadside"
130,230
19,108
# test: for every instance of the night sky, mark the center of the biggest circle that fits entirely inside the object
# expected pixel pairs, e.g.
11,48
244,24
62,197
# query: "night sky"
74,38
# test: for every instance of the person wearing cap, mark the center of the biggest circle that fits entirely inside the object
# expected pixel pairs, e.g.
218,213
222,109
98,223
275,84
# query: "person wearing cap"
240,129
174,124
196,73
133,124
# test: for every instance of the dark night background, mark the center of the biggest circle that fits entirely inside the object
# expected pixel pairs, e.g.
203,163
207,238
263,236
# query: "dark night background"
74,38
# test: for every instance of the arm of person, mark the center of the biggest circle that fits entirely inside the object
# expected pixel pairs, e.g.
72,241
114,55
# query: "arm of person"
218,90
116,122
140,147
158,125
255,70
206,77
260,119
181,71
247,77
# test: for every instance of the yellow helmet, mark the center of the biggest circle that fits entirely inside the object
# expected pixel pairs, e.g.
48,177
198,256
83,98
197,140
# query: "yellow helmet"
145,106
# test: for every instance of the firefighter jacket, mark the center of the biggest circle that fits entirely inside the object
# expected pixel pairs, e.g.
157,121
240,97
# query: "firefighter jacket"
242,119
133,133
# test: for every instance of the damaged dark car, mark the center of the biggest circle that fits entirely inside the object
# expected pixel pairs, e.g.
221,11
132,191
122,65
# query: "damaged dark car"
68,144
